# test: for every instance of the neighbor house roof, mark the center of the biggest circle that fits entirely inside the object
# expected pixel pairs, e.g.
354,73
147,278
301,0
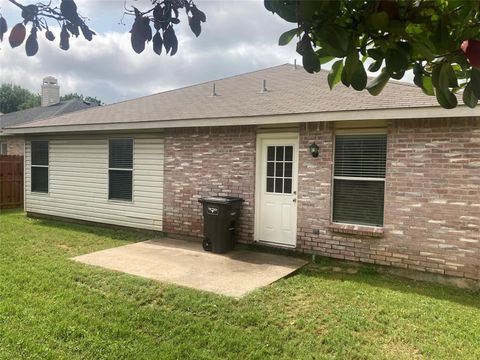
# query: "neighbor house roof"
240,100
42,112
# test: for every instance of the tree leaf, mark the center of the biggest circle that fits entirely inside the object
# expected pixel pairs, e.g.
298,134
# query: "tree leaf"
31,45
469,97
379,20
287,10
311,62
170,41
335,40
449,73
396,61
3,27
446,98
49,35
376,54
427,86
355,74
335,74
195,25
287,36
157,43
475,81
17,35
377,85
64,39
375,66
359,77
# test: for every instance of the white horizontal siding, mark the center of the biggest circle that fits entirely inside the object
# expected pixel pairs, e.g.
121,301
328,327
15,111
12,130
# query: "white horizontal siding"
78,181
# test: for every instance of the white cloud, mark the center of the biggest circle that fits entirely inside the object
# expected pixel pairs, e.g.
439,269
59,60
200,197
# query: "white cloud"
238,36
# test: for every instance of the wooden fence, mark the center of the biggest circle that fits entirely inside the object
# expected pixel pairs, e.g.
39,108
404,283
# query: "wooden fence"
11,181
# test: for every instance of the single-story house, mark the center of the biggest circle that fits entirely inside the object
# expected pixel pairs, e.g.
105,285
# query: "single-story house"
396,180
50,106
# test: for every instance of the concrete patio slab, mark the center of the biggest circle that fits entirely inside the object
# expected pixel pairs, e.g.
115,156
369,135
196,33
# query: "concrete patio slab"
185,263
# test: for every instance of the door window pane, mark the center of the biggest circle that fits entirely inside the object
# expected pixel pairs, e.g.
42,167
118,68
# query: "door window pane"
288,170
279,169
278,185
270,168
287,186
288,153
279,152
271,153
270,186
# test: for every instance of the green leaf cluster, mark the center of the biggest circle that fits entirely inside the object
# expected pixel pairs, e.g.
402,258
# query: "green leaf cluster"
389,38
15,98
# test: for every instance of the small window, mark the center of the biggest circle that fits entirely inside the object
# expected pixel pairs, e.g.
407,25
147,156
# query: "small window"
39,156
3,148
359,179
120,169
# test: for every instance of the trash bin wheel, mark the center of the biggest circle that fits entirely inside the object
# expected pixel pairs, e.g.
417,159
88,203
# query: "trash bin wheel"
207,244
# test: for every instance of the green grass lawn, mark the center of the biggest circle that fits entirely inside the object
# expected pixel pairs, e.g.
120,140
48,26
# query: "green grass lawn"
54,308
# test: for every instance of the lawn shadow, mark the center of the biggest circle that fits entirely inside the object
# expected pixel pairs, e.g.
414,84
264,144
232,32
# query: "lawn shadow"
112,232
372,276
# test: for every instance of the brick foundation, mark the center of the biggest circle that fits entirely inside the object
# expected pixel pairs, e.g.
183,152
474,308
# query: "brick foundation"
432,198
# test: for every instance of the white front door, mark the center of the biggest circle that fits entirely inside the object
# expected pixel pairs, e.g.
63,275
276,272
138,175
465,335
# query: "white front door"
277,166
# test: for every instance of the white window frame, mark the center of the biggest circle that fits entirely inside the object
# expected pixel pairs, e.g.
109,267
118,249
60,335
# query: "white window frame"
39,166
373,131
120,169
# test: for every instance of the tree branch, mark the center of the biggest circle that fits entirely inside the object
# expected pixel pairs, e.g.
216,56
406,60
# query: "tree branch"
17,4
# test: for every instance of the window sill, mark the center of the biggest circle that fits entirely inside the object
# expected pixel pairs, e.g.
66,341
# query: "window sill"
372,231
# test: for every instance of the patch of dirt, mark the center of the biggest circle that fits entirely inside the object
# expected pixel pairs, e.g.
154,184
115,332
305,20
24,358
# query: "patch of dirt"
339,269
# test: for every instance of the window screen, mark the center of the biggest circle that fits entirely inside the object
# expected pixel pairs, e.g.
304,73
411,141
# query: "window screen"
359,179
120,172
39,167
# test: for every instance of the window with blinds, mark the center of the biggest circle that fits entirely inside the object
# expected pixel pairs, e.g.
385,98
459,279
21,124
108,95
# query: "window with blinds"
39,166
120,169
359,179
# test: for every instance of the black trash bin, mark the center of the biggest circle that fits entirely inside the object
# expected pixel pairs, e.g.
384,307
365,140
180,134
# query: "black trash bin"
220,218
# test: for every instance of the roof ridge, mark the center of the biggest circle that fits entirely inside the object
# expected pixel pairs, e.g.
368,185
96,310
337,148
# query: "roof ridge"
64,105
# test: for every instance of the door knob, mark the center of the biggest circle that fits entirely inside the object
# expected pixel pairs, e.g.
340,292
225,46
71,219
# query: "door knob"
294,200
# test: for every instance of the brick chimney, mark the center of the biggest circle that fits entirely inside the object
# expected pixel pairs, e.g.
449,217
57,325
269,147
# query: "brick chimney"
50,91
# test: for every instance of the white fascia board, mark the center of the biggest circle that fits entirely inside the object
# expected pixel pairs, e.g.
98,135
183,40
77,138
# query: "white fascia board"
356,115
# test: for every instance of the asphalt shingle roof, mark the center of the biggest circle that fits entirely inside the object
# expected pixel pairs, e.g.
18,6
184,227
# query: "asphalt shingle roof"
290,90
41,113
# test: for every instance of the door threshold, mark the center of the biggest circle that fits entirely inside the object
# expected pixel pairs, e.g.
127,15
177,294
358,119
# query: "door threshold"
277,245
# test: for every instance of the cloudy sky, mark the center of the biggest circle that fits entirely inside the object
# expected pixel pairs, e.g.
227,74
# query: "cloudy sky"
239,36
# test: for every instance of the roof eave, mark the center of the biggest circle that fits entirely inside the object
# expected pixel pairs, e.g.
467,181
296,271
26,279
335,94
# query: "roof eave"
351,115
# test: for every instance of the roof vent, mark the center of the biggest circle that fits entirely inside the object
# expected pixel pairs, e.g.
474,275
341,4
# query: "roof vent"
214,92
264,87
294,64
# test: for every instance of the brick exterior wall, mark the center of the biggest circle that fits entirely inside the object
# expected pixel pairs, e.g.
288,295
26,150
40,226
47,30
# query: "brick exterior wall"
432,197
15,145
208,162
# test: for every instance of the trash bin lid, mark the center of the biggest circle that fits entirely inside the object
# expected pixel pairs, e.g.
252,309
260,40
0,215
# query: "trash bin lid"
221,199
